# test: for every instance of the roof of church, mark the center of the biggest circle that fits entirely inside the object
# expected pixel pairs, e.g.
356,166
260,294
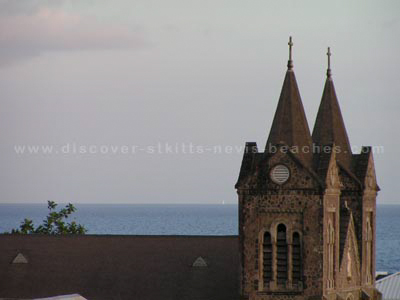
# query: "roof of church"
248,161
290,125
290,128
120,267
329,126
322,162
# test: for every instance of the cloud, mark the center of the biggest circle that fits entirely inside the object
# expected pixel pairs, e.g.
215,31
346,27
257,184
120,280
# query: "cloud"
23,36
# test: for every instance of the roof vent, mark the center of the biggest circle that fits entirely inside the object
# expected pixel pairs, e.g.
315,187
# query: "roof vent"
280,174
199,263
20,259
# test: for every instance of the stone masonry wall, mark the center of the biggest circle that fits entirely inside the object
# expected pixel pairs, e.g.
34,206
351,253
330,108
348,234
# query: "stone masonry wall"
300,211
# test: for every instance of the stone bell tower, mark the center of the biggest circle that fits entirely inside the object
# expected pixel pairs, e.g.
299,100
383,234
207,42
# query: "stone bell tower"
307,206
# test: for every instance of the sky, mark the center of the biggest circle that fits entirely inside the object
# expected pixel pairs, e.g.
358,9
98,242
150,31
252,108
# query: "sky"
151,101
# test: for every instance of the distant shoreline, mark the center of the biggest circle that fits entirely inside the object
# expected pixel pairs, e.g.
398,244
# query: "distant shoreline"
96,203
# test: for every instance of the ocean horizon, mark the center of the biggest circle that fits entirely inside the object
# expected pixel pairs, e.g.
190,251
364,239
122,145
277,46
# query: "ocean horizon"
188,219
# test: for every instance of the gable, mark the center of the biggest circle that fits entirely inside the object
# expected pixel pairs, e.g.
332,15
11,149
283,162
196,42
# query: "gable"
256,171
365,169
300,176
334,174
332,180
370,176
20,259
250,155
349,272
199,263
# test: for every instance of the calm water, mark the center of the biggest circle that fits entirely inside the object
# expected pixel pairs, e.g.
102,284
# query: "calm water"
189,220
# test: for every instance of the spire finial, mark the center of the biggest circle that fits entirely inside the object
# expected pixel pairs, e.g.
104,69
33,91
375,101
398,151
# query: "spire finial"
290,62
328,72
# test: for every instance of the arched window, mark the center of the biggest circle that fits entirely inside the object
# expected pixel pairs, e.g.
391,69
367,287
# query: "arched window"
281,255
296,258
267,258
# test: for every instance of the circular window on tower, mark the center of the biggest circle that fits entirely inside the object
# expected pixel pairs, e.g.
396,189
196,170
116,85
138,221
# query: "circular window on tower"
280,174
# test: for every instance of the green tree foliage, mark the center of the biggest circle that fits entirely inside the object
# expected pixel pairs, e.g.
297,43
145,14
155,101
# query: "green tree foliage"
53,224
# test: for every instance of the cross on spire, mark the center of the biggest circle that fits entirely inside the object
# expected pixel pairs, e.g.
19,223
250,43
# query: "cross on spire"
290,62
328,72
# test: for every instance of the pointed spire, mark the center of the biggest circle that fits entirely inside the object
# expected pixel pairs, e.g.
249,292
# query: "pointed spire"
329,125
290,125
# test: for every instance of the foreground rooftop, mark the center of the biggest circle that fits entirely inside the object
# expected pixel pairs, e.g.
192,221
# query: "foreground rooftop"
119,267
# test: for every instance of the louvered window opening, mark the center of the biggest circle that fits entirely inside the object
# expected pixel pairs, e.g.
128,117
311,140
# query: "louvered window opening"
296,258
281,255
267,258
280,174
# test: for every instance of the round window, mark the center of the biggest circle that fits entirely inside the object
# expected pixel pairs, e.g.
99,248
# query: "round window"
280,174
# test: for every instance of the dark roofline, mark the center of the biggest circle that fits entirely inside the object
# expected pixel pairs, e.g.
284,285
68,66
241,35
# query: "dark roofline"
349,173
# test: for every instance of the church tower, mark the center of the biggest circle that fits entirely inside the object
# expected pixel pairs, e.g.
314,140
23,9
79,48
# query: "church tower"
307,206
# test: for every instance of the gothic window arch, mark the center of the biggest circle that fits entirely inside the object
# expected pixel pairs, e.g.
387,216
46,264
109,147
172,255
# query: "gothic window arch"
350,297
281,255
267,258
296,258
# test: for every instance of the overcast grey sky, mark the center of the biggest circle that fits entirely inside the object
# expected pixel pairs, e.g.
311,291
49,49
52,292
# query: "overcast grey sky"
207,73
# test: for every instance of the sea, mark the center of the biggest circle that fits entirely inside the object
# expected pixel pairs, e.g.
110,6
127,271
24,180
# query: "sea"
188,219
